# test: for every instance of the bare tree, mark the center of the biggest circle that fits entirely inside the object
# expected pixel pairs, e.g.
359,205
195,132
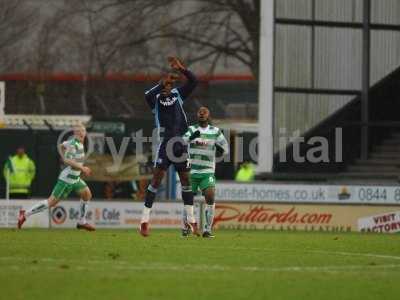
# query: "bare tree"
220,29
110,35
17,21
135,35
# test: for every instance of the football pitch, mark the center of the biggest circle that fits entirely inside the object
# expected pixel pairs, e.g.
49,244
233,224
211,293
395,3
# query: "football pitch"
120,264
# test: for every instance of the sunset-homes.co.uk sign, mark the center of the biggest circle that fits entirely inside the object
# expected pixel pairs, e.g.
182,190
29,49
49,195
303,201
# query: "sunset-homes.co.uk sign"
307,217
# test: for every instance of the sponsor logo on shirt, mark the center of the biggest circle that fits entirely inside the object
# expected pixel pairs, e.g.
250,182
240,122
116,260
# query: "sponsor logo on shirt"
168,101
200,142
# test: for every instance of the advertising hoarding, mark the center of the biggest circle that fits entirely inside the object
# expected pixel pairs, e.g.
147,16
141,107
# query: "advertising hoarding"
39,220
118,214
307,217
305,193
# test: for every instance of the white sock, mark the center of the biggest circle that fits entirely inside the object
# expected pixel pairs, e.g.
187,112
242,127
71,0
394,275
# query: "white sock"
184,218
37,208
83,209
208,217
145,215
190,214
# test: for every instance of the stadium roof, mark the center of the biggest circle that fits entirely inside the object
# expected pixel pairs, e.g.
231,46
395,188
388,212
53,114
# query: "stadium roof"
40,122
238,125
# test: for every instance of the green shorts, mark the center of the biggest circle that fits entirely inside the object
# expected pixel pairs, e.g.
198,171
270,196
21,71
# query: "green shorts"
63,189
202,182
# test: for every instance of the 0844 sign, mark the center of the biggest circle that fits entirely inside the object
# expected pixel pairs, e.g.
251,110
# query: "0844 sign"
375,194
372,194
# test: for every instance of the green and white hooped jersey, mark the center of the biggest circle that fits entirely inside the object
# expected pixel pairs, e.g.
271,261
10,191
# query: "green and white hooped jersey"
202,149
75,151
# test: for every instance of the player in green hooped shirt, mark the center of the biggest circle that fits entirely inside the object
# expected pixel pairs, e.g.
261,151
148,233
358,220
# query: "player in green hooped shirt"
203,140
73,154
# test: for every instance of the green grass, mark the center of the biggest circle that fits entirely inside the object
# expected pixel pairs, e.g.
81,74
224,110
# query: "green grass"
117,264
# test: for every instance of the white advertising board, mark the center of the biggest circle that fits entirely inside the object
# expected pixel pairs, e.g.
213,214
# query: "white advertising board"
305,193
388,222
38,220
102,214
118,214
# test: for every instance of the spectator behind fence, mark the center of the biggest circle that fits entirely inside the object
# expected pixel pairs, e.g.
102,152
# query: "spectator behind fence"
19,171
246,172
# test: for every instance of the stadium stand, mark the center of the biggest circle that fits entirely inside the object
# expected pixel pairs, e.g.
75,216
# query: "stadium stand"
384,141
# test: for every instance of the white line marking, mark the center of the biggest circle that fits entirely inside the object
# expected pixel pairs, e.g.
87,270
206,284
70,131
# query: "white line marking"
296,251
130,266
339,253
206,268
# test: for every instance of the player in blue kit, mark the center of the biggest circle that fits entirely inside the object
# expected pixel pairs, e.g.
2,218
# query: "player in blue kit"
166,103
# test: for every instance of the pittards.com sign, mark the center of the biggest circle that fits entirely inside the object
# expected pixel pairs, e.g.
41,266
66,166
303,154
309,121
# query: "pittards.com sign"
307,217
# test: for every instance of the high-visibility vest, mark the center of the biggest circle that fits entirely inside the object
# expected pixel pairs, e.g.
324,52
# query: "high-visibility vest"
245,173
19,171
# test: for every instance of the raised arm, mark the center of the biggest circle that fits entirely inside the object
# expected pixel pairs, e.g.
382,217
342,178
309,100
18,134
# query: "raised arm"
191,80
190,84
150,95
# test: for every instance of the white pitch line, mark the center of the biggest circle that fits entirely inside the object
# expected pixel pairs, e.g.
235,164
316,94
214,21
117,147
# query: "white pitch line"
296,251
320,268
129,266
209,268
339,253
355,254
